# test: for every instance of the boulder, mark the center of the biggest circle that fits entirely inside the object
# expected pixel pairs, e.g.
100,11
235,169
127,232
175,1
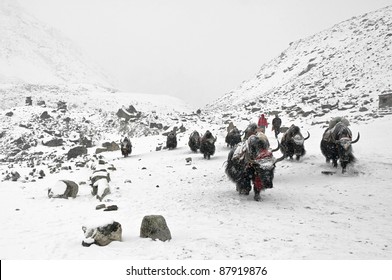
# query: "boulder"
155,227
77,151
54,142
15,176
100,150
102,235
111,146
29,101
45,115
63,189
41,103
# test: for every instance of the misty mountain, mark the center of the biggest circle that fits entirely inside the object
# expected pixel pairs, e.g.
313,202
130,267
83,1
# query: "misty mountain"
31,52
35,59
338,71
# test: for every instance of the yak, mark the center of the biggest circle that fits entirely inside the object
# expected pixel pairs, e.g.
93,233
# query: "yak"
171,140
250,130
252,163
126,147
194,141
207,145
292,143
336,145
233,137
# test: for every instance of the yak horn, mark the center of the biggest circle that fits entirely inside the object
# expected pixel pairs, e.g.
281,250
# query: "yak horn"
279,159
356,140
308,136
274,150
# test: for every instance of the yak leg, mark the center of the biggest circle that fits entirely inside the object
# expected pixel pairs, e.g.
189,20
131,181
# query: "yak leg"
257,196
344,165
244,186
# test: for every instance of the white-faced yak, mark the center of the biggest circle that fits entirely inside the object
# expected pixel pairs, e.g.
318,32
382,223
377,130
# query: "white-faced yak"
194,141
252,163
233,137
171,140
292,143
207,145
336,145
126,147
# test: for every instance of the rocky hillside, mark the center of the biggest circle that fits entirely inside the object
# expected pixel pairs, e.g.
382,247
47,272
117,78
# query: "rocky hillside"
53,99
339,71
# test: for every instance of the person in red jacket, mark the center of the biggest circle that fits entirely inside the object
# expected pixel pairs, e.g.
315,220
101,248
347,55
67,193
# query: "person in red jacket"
262,123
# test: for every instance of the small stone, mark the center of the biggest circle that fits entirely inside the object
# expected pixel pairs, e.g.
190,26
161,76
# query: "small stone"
111,208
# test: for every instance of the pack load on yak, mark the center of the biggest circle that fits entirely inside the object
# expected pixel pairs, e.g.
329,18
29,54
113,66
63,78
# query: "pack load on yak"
252,163
336,143
126,147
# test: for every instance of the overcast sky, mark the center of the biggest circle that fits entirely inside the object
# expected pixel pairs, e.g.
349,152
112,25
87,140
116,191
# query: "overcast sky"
197,50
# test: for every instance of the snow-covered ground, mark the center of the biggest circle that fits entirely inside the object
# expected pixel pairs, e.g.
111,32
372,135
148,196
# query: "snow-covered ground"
307,215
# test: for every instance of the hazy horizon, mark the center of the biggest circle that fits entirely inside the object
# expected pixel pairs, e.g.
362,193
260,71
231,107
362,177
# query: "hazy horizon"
194,50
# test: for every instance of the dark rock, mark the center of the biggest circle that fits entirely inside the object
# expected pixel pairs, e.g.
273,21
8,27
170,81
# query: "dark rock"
111,208
100,150
45,115
363,109
156,125
41,103
55,142
307,69
29,101
62,106
77,151
111,146
15,176
9,114
155,227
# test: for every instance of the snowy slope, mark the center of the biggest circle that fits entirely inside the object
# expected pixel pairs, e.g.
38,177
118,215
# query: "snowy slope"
33,53
341,70
307,215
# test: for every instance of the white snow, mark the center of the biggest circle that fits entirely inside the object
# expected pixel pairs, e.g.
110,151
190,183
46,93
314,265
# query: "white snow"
307,215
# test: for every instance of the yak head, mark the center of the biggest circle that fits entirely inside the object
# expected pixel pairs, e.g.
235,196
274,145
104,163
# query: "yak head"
341,138
194,141
344,147
299,141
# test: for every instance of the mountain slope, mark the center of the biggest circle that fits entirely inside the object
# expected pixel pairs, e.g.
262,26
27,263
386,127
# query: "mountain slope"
31,52
341,70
